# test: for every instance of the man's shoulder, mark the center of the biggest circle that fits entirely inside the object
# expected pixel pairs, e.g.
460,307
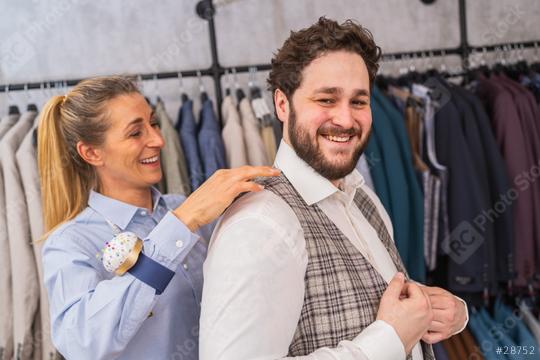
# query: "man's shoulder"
261,217
262,206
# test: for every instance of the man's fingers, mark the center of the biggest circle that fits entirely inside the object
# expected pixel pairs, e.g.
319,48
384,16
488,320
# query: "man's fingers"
395,286
444,316
433,337
247,186
414,291
437,326
433,290
441,302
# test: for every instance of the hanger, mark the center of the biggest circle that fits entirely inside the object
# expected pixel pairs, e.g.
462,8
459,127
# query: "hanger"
383,81
254,90
202,90
140,82
183,94
156,88
12,109
227,83
31,106
535,66
239,92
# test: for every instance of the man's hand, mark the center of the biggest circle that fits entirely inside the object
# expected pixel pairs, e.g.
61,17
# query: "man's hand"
406,308
449,314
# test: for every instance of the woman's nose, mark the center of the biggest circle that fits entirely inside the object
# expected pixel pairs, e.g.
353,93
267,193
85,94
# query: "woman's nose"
156,139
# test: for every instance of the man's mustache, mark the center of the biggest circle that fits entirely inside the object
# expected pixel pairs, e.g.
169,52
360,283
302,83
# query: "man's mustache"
339,131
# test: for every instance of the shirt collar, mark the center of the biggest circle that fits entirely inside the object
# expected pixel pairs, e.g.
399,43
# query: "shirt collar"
116,211
311,186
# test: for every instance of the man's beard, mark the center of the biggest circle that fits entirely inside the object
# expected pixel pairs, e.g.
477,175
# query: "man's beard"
310,152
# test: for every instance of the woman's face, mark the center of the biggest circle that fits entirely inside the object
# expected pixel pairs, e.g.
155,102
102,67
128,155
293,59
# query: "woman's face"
130,156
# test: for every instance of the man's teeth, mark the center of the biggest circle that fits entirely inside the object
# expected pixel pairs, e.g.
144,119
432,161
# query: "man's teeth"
338,138
150,160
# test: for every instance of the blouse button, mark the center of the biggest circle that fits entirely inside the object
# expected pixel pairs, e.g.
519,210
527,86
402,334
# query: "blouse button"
179,243
185,266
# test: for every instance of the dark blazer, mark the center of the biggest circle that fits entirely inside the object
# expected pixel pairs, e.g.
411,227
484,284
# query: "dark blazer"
498,186
468,265
528,113
509,135
473,138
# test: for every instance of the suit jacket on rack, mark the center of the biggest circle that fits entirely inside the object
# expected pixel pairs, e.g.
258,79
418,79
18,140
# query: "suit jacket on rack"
187,130
528,114
256,152
173,161
6,300
233,134
468,265
412,236
211,147
509,134
25,283
27,162
499,184
473,139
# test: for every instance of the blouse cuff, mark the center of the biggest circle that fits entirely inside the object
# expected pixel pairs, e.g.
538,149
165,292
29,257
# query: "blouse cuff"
172,241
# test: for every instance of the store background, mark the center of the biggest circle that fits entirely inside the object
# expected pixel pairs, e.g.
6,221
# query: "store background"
56,40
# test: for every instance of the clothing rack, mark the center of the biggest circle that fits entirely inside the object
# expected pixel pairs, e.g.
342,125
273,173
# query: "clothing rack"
205,9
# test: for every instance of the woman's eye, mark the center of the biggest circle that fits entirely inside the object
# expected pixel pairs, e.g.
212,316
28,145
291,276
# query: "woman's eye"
156,125
135,134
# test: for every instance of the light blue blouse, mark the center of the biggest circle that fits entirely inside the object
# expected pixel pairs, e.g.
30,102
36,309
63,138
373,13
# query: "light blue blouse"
97,315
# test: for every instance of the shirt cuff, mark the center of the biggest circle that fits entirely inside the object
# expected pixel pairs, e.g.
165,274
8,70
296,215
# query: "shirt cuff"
171,241
466,314
379,341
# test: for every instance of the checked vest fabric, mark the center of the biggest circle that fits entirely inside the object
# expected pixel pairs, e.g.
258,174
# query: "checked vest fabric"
342,289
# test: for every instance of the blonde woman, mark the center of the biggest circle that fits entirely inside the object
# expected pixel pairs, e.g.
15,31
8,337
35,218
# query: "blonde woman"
98,154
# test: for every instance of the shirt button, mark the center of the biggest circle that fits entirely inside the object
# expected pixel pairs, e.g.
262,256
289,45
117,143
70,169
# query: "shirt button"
179,243
185,266
143,212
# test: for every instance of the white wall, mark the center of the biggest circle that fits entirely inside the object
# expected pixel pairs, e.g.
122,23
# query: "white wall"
64,39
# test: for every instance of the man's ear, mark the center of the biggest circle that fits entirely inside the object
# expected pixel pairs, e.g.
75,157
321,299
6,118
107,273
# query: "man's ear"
282,105
90,154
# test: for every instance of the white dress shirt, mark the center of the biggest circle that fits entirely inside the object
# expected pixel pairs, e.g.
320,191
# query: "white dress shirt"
254,273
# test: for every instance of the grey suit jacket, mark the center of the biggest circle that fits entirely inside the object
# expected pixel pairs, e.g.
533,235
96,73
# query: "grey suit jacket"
27,162
25,283
173,160
6,301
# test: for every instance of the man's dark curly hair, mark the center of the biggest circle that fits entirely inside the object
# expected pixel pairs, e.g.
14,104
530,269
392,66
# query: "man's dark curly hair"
304,46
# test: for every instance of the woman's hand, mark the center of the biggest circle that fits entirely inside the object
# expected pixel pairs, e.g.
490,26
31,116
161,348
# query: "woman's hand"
211,199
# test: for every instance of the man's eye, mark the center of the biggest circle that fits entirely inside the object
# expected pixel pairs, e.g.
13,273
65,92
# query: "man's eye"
326,101
359,102
135,134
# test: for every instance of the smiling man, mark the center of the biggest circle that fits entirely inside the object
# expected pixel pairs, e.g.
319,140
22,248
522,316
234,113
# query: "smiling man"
308,267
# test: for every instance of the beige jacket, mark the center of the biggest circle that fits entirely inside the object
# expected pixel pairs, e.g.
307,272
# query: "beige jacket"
25,283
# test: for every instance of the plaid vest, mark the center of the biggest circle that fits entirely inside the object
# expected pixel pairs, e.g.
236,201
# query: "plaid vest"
342,289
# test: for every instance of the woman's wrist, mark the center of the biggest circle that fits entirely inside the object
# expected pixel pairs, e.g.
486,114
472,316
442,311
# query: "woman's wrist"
187,218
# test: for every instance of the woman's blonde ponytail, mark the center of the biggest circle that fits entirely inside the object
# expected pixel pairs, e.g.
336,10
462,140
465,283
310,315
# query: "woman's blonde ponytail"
66,179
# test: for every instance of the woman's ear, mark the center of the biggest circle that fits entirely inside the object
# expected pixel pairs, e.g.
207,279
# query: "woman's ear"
90,154
282,105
